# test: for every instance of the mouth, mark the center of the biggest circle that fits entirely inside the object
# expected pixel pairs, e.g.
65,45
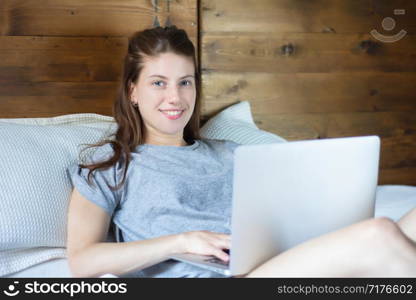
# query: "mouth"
172,114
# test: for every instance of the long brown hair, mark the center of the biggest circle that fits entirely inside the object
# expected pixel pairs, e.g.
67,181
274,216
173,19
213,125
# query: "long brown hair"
130,127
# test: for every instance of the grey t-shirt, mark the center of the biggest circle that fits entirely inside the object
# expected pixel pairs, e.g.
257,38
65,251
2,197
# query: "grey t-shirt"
168,190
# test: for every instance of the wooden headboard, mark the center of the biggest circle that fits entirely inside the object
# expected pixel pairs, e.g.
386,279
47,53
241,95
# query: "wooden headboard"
310,69
65,56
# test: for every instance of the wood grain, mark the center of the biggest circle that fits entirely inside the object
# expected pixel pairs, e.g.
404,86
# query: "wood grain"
48,99
90,18
285,93
311,69
37,59
65,56
299,16
313,53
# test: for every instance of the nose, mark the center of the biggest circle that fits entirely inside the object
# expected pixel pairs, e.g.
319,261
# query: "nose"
173,95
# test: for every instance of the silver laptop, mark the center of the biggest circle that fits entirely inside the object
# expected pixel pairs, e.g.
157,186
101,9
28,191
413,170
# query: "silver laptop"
287,193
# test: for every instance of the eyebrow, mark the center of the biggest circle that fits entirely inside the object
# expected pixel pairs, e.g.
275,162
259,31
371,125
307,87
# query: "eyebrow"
164,77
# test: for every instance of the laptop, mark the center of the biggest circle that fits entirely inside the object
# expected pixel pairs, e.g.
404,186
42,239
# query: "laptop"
287,193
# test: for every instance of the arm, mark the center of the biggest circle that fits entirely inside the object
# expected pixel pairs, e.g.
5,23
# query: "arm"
89,256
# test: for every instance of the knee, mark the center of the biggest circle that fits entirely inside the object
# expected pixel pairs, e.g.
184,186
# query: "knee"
381,231
391,246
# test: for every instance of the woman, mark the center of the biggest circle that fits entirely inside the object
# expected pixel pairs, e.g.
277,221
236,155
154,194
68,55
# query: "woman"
169,191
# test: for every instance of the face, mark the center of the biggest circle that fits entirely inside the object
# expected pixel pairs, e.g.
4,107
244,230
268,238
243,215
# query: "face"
166,94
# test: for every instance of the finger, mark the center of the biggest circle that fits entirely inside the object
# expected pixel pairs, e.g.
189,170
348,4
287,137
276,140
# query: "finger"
223,241
224,235
222,255
223,244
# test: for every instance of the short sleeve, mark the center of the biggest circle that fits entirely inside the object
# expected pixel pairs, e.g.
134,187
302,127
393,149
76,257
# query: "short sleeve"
99,192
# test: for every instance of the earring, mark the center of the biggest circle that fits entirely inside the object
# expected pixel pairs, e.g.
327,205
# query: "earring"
133,102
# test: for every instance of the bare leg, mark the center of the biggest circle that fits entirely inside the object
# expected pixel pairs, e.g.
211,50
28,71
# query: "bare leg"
407,224
372,248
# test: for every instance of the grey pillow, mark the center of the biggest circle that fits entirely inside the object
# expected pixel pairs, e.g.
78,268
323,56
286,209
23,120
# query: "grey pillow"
236,124
35,187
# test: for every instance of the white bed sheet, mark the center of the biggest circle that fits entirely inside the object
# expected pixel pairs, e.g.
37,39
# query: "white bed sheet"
52,268
392,201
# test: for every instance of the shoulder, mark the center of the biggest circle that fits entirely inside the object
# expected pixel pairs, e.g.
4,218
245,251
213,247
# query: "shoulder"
108,173
98,154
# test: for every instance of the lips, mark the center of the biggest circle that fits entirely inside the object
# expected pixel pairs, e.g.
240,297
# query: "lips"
172,116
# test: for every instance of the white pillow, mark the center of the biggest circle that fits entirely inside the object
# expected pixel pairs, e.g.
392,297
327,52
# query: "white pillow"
83,119
236,124
35,186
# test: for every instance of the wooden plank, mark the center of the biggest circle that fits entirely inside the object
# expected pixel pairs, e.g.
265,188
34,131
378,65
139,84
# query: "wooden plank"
293,126
62,71
398,136
277,93
398,151
92,17
401,176
383,124
24,58
49,106
106,44
47,99
313,53
327,16
80,90
397,132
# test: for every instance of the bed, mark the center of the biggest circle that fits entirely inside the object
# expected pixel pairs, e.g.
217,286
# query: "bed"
392,201
35,154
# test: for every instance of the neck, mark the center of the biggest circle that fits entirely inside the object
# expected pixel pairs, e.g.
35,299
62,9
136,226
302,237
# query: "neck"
165,142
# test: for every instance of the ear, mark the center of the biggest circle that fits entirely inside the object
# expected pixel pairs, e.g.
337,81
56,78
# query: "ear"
132,89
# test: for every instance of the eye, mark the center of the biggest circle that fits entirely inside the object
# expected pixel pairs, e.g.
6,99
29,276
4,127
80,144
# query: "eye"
186,82
157,83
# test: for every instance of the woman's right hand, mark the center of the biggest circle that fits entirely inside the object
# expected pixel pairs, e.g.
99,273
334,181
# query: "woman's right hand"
206,243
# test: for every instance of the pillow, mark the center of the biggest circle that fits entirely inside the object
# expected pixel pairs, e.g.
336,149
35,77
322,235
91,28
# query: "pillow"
236,124
35,186
83,119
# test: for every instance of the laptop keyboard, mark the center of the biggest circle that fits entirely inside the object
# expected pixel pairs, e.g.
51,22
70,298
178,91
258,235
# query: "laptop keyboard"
216,260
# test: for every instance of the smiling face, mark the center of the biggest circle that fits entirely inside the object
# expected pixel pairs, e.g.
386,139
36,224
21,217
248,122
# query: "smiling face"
166,94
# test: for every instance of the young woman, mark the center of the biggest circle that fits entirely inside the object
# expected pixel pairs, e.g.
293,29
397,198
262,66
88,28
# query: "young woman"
169,191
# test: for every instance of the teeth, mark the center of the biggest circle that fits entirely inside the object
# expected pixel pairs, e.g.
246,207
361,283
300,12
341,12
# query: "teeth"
172,113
